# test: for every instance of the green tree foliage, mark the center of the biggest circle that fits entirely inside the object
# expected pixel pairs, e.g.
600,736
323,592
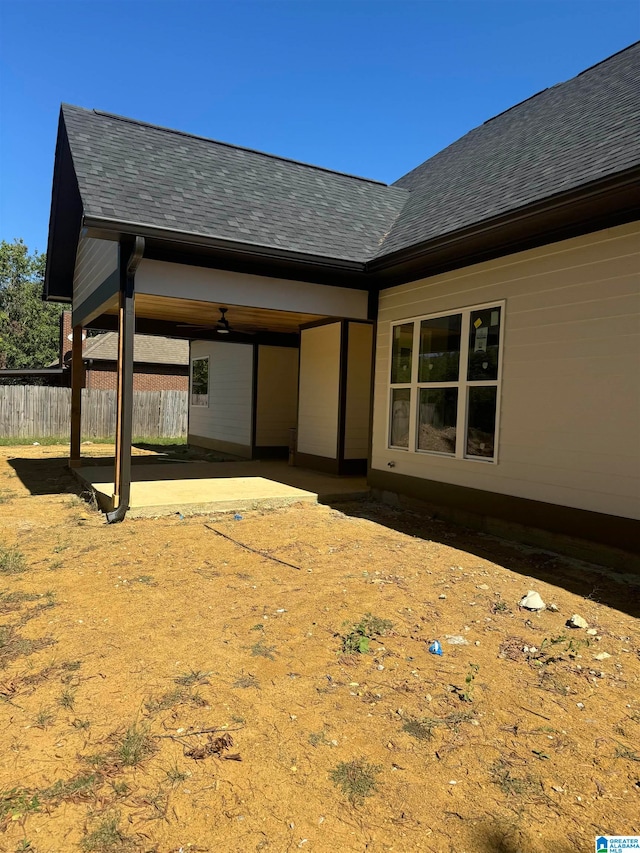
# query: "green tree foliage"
29,327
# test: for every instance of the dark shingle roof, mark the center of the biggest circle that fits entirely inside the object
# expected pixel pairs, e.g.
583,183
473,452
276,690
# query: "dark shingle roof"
562,138
558,140
147,349
139,173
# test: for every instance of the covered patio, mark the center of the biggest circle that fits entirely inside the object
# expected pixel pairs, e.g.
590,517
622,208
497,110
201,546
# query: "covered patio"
191,488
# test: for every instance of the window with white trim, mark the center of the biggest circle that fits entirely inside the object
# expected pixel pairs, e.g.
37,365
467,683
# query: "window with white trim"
200,381
444,395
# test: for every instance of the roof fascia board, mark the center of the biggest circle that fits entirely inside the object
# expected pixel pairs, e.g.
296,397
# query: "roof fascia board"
111,229
610,201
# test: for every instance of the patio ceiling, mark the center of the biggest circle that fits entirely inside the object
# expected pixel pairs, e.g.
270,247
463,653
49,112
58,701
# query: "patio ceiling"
241,318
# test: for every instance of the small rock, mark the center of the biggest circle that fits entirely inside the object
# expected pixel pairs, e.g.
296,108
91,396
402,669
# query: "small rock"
602,656
553,608
580,705
482,586
456,640
532,601
442,597
577,621
592,631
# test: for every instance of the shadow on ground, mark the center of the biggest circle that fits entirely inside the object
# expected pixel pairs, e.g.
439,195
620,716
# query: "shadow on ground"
598,583
50,476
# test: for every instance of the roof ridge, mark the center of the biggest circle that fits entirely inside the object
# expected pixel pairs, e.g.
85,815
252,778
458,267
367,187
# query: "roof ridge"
188,135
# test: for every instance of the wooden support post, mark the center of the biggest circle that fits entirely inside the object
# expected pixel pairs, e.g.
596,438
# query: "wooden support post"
124,417
77,381
129,260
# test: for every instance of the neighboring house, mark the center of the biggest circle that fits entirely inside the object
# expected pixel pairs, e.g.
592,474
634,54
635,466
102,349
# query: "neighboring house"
159,364
484,308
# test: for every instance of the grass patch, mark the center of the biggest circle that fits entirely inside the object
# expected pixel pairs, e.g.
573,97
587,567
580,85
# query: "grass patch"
107,837
10,601
13,645
173,698
175,775
261,650
67,699
136,745
418,729
76,789
247,681
44,717
12,561
194,676
524,787
356,779
318,738
358,639
16,803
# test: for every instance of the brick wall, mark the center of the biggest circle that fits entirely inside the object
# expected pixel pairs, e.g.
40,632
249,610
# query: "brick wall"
104,379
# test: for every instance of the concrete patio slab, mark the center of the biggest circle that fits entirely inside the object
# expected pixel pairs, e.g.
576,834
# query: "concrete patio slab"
165,488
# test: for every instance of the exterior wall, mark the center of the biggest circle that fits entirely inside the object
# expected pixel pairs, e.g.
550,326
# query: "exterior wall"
96,260
161,278
319,390
226,423
105,378
570,403
277,395
358,397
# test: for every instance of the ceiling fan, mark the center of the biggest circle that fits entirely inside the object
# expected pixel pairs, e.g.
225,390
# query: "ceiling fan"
222,326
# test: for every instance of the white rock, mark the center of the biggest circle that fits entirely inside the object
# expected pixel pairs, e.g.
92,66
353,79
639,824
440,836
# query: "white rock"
532,601
553,607
443,596
602,656
482,586
456,640
592,631
577,621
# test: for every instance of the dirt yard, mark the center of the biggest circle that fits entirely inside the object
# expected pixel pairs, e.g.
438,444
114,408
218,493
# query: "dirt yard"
165,689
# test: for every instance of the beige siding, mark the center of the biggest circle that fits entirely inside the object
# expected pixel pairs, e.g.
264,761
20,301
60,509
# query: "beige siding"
95,261
570,408
356,438
220,286
277,395
319,390
227,418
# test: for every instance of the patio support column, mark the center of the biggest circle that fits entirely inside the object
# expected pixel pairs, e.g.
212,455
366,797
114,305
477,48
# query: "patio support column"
77,381
129,260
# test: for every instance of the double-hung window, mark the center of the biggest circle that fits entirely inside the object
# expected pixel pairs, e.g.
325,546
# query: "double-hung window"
445,383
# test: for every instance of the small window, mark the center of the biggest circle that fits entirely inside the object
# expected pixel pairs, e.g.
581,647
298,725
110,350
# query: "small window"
200,382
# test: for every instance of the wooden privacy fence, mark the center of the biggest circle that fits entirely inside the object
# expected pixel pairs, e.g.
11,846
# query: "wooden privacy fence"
32,411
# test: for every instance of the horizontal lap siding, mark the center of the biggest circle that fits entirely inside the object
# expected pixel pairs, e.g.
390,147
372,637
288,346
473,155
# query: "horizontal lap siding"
277,397
228,416
96,260
356,437
570,413
319,390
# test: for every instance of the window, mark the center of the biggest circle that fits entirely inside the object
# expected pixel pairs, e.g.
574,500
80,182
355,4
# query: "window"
200,382
445,383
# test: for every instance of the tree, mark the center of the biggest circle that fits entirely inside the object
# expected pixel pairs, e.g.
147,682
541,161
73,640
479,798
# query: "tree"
29,327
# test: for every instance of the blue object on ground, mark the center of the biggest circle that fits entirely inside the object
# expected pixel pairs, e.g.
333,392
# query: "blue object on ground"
435,648
237,517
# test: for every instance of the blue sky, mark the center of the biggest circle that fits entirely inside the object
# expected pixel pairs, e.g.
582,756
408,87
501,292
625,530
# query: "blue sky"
371,88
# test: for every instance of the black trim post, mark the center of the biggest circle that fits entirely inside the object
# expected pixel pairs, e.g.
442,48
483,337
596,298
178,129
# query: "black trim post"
126,331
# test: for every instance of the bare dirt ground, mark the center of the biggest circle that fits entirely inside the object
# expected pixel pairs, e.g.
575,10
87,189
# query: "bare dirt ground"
164,689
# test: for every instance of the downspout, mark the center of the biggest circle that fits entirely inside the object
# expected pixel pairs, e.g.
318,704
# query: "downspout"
126,331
